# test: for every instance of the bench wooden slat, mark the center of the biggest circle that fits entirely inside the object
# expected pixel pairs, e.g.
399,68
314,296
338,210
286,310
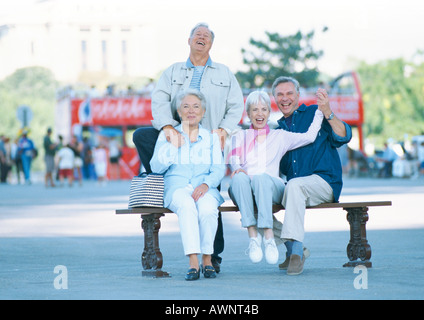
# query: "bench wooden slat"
352,204
143,210
275,208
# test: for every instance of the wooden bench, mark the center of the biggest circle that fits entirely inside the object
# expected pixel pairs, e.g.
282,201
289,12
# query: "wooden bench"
358,250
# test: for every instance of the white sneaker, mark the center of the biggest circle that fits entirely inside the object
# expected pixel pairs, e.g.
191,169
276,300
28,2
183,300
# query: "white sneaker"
255,250
271,251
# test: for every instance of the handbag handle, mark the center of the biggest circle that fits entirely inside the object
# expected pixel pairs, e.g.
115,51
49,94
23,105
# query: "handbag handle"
145,174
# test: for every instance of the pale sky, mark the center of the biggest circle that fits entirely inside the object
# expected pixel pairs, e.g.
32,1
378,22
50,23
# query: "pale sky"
370,30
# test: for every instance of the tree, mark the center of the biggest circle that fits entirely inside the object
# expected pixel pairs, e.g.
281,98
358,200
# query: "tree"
291,55
393,94
35,87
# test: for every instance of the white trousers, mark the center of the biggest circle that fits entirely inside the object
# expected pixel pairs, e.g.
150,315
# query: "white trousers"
198,220
300,193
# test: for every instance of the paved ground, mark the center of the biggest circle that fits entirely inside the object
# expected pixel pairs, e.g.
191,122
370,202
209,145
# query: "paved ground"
48,235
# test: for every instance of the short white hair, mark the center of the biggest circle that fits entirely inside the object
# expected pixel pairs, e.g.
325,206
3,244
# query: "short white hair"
200,25
256,97
190,92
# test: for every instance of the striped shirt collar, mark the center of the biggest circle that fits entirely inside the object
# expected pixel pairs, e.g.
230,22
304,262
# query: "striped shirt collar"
189,64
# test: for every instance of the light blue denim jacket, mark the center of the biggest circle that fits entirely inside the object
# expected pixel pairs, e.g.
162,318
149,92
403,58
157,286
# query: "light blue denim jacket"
224,98
193,163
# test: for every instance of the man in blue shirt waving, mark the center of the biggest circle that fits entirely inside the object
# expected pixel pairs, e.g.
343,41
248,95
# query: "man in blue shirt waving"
314,172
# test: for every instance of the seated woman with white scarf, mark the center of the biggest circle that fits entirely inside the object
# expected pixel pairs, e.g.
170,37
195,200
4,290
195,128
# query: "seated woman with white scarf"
254,160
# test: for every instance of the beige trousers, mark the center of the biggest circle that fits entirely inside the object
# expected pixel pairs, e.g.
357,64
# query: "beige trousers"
299,194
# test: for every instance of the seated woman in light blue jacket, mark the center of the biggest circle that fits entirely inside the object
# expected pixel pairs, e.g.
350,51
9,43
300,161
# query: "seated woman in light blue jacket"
193,167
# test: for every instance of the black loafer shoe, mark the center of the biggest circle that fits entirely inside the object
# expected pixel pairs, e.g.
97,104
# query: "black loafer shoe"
209,272
192,274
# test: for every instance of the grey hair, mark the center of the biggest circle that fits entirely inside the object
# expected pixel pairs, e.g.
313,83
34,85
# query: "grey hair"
284,79
190,92
256,97
199,25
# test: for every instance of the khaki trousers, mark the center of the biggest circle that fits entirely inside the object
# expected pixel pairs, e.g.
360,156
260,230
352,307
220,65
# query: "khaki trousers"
299,194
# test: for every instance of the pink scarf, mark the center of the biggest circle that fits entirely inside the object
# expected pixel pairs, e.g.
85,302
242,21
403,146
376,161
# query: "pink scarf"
250,136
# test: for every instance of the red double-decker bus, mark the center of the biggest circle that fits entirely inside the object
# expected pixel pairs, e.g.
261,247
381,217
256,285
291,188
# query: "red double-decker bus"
120,116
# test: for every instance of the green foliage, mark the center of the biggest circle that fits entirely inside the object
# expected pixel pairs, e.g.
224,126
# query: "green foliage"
35,87
291,55
393,94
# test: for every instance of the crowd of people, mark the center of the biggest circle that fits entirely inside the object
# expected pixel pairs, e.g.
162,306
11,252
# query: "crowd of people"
72,161
17,154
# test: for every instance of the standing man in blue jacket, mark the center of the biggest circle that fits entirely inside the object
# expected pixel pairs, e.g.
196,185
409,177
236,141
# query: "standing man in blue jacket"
314,172
224,104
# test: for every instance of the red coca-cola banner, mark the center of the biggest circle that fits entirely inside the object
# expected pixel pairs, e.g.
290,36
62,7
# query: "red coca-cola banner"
110,111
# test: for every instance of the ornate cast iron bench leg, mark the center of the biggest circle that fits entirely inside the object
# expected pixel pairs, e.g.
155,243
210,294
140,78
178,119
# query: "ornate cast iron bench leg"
151,259
358,247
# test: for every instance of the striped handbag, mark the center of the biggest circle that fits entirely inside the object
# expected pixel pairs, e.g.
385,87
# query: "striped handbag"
146,190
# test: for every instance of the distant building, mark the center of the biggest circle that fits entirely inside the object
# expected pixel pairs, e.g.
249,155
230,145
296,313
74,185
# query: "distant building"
72,38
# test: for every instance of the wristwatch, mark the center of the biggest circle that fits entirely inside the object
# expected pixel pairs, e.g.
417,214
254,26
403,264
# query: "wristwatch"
331,116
